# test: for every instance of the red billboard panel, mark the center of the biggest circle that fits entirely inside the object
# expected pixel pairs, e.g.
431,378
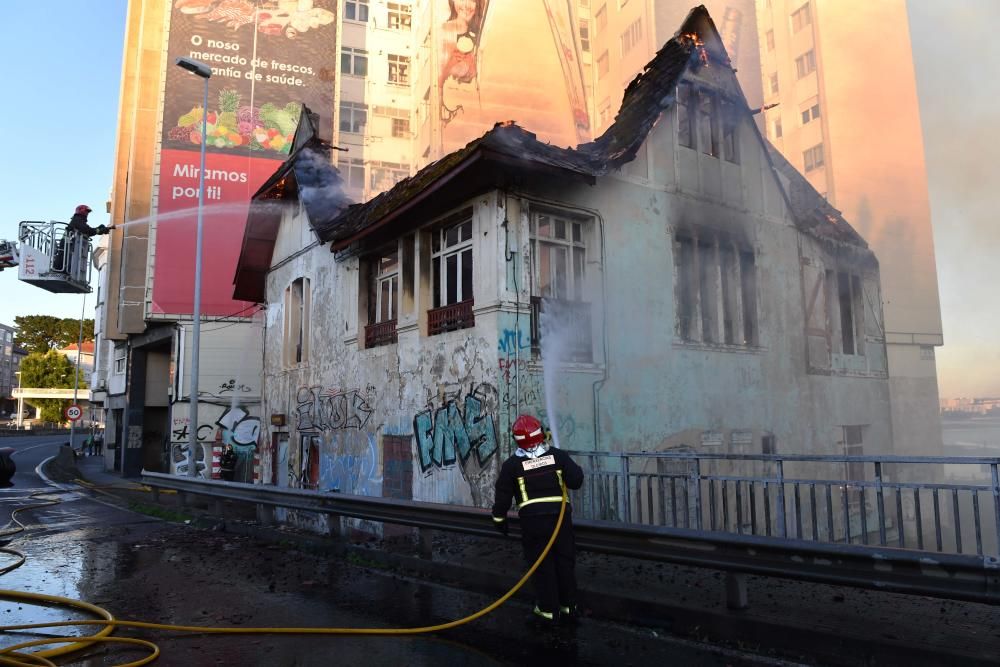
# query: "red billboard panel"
268,58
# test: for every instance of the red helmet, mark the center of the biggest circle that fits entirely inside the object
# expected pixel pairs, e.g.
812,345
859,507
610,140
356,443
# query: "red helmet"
527,432
83,208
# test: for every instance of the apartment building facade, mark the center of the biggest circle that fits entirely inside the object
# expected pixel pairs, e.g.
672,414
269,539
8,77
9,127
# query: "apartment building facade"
828,65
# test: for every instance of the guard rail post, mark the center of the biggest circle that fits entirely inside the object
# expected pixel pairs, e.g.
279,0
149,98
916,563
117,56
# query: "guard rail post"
426,536
736,591
265,514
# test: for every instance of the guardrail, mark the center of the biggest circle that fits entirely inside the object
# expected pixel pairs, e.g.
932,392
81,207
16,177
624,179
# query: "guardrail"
951,576
932,504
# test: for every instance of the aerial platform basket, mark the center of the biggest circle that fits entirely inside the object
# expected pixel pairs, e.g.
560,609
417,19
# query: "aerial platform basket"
54,257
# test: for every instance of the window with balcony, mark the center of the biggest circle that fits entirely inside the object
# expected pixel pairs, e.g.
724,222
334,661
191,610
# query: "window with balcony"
353,117
400,16
356,10
399,70
295,348
451,278
558,278
715,290
354,61
383,298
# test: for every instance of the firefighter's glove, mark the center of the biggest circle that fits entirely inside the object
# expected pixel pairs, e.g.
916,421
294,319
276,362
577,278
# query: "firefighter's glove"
501,526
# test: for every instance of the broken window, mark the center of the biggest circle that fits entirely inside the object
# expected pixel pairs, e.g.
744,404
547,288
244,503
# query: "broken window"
400,16
295,348
685,291
715,290
730,140
801,17
812,158
854,446
399,69
806,63
708,124
558,276
451,267
851,305
685,115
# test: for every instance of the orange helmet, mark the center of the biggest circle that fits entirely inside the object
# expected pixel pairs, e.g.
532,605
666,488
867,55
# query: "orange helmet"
527,432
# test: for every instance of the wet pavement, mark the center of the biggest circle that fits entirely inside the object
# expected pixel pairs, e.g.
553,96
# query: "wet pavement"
142,568
639,613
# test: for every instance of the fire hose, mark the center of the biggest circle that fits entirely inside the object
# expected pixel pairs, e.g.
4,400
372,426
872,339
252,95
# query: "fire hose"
16,655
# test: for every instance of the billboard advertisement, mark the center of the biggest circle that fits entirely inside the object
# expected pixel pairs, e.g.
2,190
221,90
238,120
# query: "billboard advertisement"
268,58
515,61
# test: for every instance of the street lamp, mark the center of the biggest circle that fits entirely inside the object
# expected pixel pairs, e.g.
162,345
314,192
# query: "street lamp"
205,72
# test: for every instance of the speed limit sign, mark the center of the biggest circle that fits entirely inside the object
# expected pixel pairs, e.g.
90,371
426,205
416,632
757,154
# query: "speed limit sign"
74,412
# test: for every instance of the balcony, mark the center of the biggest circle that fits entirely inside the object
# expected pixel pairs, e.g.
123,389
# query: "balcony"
451,318
573,319
380,333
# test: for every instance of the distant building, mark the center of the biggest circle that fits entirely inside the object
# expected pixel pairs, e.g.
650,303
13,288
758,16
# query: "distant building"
705,297
9,364
970,406
85,358
830,67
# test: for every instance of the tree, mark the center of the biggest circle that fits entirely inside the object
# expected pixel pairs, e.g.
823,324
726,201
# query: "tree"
41,333
50,370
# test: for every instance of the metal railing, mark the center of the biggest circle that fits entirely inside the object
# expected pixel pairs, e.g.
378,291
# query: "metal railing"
68,250
451,318
937,504
380,333
951,576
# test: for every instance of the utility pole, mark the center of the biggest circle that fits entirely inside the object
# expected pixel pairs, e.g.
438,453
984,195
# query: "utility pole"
76,380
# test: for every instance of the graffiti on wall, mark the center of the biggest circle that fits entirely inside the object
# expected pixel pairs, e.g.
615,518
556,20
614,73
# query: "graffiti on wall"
450,430
345,461
318,410
235,426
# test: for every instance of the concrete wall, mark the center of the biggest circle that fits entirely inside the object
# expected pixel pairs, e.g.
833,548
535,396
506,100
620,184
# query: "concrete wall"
453,396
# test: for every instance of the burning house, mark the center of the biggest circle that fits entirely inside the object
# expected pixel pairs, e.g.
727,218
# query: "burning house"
674,284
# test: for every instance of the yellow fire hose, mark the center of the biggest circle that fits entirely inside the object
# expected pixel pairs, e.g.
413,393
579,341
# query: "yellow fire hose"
15,655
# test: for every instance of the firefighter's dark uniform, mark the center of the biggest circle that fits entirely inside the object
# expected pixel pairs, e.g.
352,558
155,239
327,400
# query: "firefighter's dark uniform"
535,481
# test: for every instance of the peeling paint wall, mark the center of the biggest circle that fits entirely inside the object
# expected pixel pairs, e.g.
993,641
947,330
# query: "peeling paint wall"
454,395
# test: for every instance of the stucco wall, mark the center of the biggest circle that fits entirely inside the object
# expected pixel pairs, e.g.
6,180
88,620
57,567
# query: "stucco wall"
454,395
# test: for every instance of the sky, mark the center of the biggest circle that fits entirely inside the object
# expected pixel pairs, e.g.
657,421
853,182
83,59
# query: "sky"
62,103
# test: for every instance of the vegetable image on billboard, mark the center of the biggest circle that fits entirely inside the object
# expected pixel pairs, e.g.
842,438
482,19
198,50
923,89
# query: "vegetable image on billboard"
268,59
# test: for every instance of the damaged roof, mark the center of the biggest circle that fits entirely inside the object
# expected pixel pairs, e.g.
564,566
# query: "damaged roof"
645,98
812,212
306,176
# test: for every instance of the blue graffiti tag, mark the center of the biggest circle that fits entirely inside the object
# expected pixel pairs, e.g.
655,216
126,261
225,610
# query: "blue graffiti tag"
449,431
511,340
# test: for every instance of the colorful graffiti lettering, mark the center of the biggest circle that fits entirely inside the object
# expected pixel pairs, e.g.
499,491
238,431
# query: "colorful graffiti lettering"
319,410
448,430
513,339
345,462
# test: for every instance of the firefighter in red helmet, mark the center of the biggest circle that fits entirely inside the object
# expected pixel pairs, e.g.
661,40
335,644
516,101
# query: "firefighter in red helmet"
535,476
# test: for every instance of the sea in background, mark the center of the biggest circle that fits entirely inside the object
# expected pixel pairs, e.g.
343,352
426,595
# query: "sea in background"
972,436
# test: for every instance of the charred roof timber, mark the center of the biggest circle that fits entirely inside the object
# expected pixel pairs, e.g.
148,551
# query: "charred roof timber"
507,154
